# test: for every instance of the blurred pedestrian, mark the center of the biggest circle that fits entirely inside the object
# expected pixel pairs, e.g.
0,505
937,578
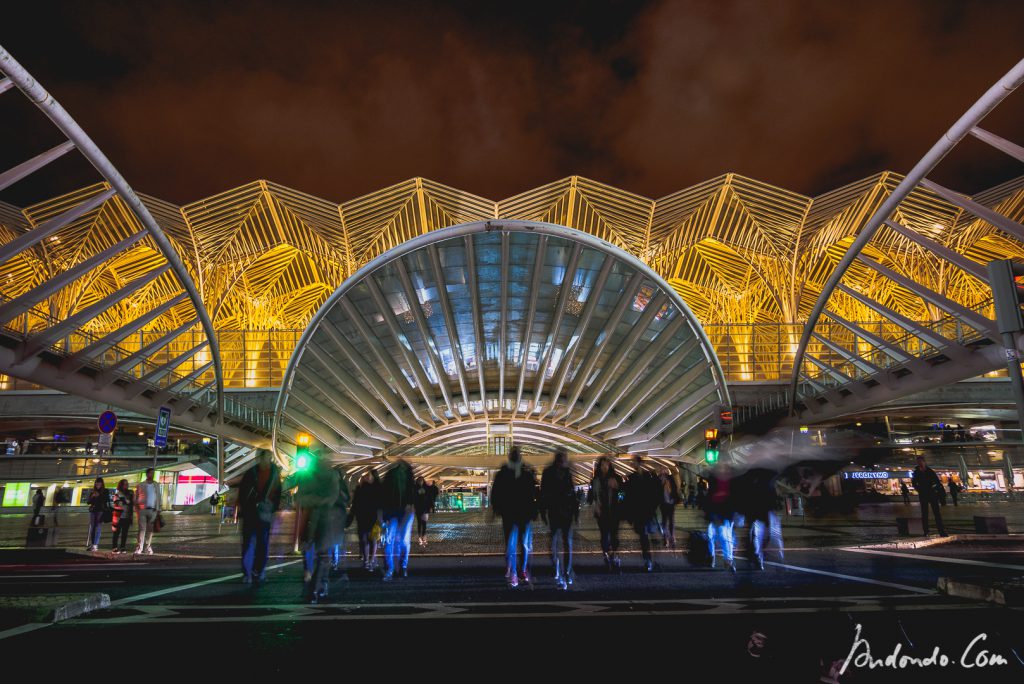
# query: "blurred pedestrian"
99,508
719,507
667,506
37,504
124,512
318,487
514,498
398,492
368,516
559,508
905,492
928,485
58,499
147,509
755,495
605,490
259,497
423,505
643,497
214,500
954,490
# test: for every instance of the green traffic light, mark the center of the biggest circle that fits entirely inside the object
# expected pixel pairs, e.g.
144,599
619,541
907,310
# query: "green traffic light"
711,455
302,461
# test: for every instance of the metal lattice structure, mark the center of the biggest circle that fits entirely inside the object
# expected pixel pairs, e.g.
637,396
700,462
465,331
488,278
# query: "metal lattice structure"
552,334
934,325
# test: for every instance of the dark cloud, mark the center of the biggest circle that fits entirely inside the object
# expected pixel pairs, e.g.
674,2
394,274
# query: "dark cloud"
338,100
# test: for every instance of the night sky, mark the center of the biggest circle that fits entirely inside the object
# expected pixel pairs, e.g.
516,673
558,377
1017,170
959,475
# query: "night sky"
340,99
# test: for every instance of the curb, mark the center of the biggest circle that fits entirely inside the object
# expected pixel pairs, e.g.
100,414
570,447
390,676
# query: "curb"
935,541
1010,594
34,609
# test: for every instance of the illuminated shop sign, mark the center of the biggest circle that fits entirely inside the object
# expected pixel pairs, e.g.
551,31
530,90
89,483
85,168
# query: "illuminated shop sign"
876,475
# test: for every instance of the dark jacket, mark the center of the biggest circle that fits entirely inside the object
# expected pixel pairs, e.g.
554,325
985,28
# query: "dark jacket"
558,502
515,498
643,496
669,491
720,499
249,494
366,506
926,483
423,501
99,500
398,490
124,506
754,493
604,494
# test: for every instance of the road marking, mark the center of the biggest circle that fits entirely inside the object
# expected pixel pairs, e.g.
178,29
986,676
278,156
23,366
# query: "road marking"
5,577
23,629
936,559
67,582
853,578
193,585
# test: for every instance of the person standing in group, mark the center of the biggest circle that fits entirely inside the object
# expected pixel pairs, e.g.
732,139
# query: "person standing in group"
37,504
424,505
99,507
559,508
928,486
259,497
905,492
719,506
124,511
954,491
643,495
214,500
669,500
367,513
147,506
514,498
398,494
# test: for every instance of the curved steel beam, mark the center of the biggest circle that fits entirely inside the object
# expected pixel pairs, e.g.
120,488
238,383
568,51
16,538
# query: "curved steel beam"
956,133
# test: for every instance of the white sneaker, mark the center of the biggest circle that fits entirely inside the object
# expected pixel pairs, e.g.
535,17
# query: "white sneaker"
137,551
149,550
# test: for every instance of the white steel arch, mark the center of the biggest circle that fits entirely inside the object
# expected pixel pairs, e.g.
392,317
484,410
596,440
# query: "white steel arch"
853,368
555,334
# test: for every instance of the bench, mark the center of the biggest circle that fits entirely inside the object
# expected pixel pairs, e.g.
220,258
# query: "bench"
909,526
990,524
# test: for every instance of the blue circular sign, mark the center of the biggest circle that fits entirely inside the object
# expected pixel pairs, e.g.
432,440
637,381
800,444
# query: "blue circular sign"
107,422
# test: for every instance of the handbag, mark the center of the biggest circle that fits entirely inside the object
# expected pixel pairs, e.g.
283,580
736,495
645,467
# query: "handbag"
265,511
108,515
158,524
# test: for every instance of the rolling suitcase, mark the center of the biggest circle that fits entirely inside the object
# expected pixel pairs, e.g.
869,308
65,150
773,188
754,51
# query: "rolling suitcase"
698,553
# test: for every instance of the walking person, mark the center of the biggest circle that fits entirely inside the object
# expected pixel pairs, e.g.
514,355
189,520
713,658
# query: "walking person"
147,509
905,492
367,513
318,490
928,486
423,504
954,491
259,497
643,494
214,500
559,508
719,507
58,499
37,504
669,499
514,498
398,494
605,488
755,496
99,508
124,512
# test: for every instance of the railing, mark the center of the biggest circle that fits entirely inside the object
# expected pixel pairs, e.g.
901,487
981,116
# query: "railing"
49,468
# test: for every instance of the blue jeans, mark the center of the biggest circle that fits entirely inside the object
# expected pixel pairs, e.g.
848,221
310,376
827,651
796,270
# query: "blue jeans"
720,528
399,536
95,527
518,534
561,545
255,548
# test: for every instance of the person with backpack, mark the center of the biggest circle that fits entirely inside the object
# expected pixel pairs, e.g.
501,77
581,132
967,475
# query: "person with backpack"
559,508
214,500
124,512
99,512
259,497
514,498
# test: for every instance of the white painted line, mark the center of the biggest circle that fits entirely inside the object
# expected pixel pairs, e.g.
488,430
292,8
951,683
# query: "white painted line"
68,582
194,585
6,577
23,629
852,578
936,559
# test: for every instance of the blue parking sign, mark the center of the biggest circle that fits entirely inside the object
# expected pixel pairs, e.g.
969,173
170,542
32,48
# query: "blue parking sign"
163,424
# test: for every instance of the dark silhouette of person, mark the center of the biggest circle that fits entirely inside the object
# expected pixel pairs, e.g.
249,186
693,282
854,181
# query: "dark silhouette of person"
559,508
928,486
259,497
514,498
604,492
643,496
